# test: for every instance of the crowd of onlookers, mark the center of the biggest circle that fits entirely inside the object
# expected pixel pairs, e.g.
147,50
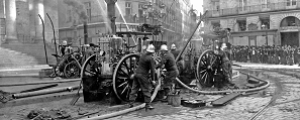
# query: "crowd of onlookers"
286,55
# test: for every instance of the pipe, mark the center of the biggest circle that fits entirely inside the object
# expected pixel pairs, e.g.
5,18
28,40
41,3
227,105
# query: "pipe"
85,32
39,88
44,92
44,40
189,40
54,38
127,110
40,83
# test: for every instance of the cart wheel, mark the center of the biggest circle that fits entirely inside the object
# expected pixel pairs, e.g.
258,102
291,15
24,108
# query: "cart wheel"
90,68
207,65
123,75
72,69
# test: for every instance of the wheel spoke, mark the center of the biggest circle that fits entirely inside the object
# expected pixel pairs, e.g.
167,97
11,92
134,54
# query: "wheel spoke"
204,75
124,89
124,83
202,71
126,66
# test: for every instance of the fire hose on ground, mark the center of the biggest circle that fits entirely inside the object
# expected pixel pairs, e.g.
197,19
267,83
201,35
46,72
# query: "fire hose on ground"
157,88
44,92
40,83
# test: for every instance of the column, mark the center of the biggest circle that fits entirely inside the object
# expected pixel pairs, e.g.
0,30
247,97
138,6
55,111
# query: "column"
39,9
11,15
32,18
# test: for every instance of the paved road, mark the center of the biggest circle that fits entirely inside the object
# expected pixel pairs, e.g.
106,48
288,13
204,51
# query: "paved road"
284,88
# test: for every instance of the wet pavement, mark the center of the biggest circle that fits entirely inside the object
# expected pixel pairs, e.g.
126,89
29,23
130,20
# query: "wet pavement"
284,91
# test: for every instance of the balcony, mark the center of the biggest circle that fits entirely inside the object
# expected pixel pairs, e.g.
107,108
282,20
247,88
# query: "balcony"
255,9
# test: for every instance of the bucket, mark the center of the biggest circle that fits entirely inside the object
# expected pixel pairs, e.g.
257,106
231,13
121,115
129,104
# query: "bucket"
174,100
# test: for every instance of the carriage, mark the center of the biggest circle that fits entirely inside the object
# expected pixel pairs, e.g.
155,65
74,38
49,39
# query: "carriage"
123,59
104,74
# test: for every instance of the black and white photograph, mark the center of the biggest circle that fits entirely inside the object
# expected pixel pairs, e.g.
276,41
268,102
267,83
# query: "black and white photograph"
149,59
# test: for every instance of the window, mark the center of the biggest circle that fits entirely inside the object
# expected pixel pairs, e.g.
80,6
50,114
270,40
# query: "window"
140,10
266,3
291,2
265,24
88,10
243,5
242,25
216,25
216,6
128,8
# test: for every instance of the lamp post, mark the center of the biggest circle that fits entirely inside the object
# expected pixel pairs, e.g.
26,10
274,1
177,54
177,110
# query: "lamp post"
264,27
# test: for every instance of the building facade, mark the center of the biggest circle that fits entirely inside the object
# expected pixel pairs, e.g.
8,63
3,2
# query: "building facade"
256,22
173,15
19,20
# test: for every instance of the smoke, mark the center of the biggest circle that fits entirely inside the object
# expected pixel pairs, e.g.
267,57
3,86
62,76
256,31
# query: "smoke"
78,8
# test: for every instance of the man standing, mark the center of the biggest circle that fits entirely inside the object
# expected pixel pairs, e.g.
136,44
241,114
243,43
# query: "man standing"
169,63
180,61
146,64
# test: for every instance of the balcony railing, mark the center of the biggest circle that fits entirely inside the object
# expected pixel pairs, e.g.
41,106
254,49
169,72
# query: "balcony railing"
255,8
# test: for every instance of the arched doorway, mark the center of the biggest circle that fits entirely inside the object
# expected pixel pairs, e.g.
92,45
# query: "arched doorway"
289,31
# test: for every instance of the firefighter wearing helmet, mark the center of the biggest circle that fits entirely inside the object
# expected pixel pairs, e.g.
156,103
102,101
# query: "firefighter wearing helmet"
169,63
141,80
220,50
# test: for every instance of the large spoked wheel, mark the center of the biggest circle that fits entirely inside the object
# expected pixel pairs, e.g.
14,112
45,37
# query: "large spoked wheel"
123,76
72,69
90,68
207,66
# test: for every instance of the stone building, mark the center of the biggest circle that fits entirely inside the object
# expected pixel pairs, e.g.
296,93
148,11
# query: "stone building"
19,20
173,15
256,22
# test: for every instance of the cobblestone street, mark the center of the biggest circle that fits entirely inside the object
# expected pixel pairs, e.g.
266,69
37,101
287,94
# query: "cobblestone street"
286,106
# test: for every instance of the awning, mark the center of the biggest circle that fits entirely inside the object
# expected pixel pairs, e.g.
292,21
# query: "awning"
264,17
215,21
241,19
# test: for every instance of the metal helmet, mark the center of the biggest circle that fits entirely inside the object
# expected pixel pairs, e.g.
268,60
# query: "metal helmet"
150,48
164,47
64,42
173,46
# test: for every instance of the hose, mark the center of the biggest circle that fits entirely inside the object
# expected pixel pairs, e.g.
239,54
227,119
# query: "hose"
40,83
229,91
157,88
44,92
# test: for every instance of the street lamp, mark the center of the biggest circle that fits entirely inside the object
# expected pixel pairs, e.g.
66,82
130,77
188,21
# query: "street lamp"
265,27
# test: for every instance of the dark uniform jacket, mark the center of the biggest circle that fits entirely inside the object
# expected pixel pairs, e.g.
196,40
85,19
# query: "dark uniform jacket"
176,53
146,63
169,61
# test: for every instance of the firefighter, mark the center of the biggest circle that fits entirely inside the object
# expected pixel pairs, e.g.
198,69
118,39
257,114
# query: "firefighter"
180,62
169,63
226,66
146,64
66,51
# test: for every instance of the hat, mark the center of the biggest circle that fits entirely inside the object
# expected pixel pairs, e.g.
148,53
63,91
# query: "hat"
164,47
64,42
173,46
151,48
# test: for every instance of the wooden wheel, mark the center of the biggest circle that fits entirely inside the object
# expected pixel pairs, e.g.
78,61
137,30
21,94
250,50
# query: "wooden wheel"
90,68
208,65
123,75
72,69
